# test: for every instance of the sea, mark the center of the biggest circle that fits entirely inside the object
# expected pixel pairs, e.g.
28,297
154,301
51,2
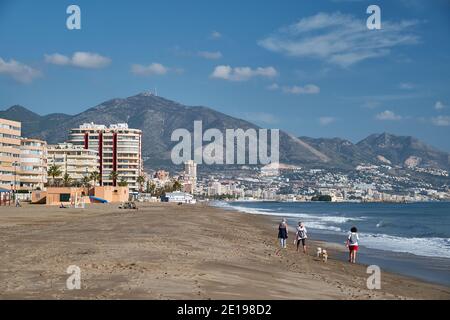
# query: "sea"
411,239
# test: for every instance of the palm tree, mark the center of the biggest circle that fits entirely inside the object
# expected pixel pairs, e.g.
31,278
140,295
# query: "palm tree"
114,176
151,188
54,172
123,183
86,183
67,180
95,176
140,180
177,186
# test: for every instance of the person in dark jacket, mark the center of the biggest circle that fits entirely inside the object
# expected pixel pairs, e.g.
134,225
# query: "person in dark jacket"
283,233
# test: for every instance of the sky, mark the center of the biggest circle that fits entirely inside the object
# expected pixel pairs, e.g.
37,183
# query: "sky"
311,68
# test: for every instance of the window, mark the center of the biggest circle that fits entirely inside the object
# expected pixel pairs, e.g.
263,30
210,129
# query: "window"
64,197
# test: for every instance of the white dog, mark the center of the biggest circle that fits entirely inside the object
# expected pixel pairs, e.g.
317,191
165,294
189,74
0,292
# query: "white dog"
319,252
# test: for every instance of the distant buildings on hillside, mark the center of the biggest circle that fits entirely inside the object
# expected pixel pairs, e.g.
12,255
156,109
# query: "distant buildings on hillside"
112,156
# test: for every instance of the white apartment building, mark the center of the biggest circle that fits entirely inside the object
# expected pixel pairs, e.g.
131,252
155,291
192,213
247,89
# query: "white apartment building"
119,149
190,176
33,164
74,160
215,189
10,132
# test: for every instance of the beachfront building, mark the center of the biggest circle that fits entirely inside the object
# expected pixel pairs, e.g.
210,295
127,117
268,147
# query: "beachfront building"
10,132
33,164
215,189
74,160
119,149
71,196
179,197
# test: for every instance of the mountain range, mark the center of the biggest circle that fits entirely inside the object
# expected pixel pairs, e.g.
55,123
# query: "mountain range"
158,117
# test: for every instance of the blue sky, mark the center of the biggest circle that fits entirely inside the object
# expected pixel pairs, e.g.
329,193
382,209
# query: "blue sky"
308,67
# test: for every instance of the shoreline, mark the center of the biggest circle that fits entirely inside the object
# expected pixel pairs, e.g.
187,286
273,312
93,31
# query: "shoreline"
419,264
165,251
341,252
333,202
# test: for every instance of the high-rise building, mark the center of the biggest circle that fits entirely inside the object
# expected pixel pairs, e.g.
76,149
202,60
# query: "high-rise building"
10,132
119,149
33,164
76,161
190,169
190,176
215,189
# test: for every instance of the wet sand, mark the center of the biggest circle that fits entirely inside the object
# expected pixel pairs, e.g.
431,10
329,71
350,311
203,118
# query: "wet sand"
165,251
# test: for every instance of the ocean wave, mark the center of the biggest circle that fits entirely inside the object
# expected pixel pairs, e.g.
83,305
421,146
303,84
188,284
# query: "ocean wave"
429,247
319,222
421,246
322,226
306,216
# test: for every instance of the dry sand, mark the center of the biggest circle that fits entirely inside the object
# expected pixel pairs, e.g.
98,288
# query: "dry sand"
165,251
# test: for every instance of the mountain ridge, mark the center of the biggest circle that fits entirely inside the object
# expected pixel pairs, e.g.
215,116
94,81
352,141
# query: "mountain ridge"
157,117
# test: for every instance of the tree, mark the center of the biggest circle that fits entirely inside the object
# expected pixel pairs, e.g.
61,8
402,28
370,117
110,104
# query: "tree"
140,180
54,172
177,186
67,180
325,198
95,176
114,176
86,183
123,183
151,188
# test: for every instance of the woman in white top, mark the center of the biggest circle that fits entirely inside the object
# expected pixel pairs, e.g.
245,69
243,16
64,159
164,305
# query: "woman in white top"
301,236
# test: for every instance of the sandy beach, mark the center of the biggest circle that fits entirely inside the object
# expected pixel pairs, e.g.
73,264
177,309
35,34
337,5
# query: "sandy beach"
165,251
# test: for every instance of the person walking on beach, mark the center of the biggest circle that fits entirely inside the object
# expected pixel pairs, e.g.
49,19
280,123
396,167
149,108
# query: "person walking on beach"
301,236
283,233
352,244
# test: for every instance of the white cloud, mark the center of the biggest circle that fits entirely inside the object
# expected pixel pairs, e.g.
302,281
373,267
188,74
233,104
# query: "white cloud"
262,117
242,73
388,115
407,86
441,121
273,87
57,58
215,35
339,38
324,121
18,71
210,55
439,105
307,89
87,60
152,69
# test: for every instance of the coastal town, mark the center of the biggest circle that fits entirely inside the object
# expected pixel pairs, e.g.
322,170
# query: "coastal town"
101,158
225,158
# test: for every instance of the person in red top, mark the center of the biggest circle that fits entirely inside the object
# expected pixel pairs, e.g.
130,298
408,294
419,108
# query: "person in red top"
352,244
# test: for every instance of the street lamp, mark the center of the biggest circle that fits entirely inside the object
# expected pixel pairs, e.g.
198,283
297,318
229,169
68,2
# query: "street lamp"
15,164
